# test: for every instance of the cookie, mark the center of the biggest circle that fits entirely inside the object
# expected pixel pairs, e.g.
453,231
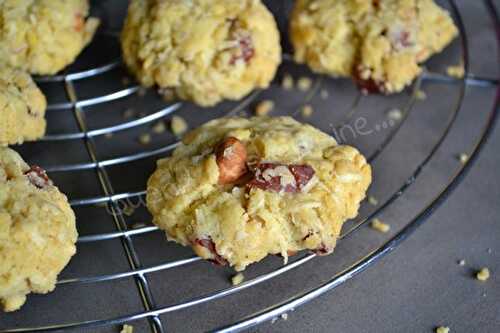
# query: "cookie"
203,50
37,231
22,108
239,189
44,36
380,43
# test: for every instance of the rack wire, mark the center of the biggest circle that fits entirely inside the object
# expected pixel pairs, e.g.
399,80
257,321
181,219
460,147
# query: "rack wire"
126,234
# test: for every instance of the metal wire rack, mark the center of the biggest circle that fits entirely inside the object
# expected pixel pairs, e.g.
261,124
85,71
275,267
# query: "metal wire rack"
86,117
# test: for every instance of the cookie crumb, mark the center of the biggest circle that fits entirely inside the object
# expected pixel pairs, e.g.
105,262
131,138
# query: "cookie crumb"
463,158
127,329
483,274
304,83
129,113
380,226
237,279
178,125
324,94
145,138
307,111
159,127
457,71
287,83
461,262
372,200
395,114
420,95
284,316
442,329
264,107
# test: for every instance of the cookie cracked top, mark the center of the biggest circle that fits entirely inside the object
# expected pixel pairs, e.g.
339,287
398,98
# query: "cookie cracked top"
203,50
239,189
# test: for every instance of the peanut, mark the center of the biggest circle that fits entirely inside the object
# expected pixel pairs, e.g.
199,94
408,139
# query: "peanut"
231,157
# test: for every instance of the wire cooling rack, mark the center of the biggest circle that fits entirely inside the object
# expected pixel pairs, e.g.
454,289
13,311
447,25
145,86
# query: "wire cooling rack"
125,272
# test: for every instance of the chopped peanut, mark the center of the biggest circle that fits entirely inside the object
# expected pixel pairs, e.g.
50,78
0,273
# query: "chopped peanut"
442,329
380,226
231,156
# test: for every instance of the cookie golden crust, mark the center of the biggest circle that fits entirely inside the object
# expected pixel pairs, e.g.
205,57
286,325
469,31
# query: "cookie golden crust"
379,43
44,36
37,231
22,108
239,189
204,50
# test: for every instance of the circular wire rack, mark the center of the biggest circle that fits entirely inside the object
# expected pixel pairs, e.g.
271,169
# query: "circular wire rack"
105,134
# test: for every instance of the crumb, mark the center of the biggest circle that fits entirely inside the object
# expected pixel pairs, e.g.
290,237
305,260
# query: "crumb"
442,329
159,127
463,158
264,107
304,83
237,279
125,80
129,113
457,71
275,319
287,82
372,200
108,135
138,225
483,274
489,250
128,210
127,329
145,139
461,262
284,316
420,95
306,111
380,226
167,95
395,114
142,92
178,125
324,94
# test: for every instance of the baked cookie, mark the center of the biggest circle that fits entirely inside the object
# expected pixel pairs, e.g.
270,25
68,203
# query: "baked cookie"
44,36
37,231
203,50
239,189
22,108
380,43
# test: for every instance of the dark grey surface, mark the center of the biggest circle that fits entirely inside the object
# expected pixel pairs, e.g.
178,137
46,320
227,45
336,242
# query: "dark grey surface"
414,289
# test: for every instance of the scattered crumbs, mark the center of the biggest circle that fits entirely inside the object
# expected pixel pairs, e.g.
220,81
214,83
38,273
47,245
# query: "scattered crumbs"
168,95
129,113
125,80
380,226
395,114
264,107
483,274
178,125
284,316
420,95
457,71
304,83
306,111
461,262
324,94
372,200
145,139
287,82
442,329
128,210
127,329
159,127
463,158
108,135
237,279
141,91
